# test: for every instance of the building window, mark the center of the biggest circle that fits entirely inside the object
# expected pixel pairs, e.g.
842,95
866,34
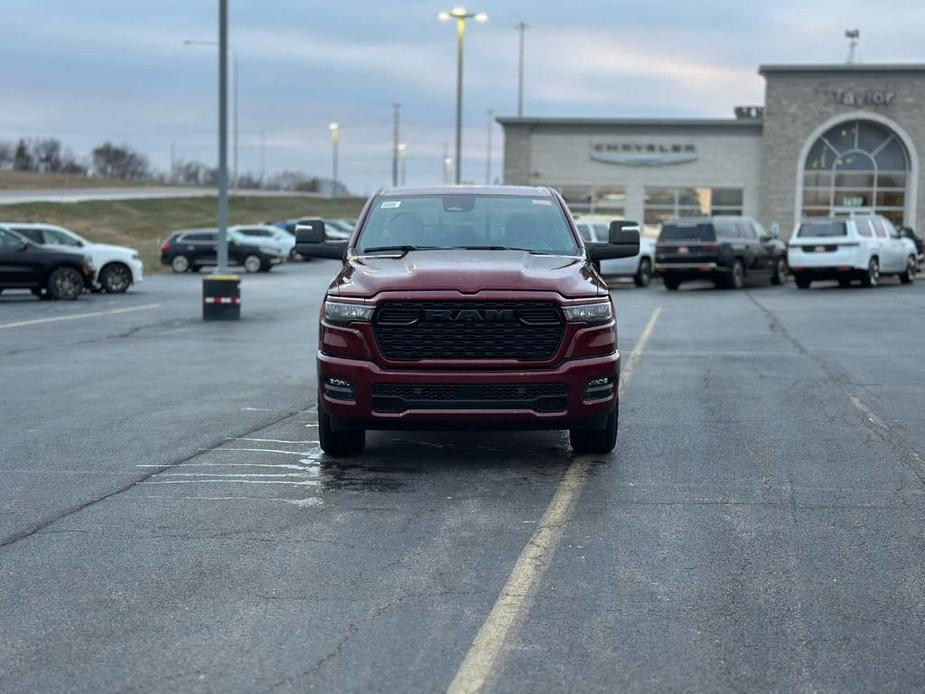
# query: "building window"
603,200
663,204
856,164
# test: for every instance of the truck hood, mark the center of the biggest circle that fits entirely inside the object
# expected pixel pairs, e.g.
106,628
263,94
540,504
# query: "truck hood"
468,272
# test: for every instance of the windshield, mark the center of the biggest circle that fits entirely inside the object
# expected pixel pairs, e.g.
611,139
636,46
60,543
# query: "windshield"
824,227
494,222
687,232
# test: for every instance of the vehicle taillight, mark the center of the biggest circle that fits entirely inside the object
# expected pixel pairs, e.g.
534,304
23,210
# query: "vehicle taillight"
165,246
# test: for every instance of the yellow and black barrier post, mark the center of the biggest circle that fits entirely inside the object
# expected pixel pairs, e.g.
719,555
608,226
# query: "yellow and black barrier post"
221,297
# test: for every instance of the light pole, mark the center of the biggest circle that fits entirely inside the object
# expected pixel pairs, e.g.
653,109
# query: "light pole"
522,28
460,15
335,138
491,115
853,36
234,92
402,153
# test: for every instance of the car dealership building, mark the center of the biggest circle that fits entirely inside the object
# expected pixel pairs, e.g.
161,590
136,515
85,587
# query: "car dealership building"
827,137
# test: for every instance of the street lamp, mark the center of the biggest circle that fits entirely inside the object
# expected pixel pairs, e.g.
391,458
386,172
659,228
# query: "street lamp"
460,14
234,90
335,137
402,153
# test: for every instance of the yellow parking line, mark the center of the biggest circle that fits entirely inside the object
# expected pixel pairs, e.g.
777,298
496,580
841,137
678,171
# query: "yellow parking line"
77,316
535,558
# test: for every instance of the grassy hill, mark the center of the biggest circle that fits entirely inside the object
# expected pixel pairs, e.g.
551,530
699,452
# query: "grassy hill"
144,224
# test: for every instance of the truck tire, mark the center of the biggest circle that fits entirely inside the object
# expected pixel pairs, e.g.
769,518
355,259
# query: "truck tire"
65,283
597,441
252,263
671,283
779,274
643,275
116,278
872,278
339,442
908,277
180,263
736,279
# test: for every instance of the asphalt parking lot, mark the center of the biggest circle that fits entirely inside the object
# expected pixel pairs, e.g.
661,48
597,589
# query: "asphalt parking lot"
168,523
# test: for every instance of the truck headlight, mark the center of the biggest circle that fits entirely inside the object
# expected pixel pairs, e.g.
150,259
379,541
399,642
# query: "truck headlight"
342,314
589,313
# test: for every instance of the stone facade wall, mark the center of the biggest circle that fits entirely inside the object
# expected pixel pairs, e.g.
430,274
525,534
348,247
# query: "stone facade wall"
797,104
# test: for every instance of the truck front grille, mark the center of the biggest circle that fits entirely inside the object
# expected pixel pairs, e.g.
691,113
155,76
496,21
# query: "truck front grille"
539,397
470,330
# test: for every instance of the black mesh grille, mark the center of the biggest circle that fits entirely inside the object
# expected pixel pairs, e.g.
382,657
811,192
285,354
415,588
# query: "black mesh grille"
542,397
522,330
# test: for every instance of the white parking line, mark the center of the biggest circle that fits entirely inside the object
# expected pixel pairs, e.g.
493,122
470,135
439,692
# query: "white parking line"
77,316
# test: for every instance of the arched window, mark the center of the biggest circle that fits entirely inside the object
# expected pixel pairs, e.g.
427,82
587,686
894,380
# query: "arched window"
856,164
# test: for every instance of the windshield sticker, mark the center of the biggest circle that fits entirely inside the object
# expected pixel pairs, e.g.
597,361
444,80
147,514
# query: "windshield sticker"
388,204
541,202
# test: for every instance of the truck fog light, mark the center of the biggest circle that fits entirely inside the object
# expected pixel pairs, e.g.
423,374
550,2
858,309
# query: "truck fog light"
339,388
599,388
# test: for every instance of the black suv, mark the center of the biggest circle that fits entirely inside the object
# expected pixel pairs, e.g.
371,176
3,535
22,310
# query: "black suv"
726,250
49,272
191,249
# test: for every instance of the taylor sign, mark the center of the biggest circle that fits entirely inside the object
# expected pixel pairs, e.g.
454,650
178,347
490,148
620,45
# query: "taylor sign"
869,97
643,154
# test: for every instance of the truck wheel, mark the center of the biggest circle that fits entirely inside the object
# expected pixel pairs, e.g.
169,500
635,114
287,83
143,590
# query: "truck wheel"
339,442
872,278
671,283
908,277
644,274
736,278
115,278
65,283
779,276
597,441
180,263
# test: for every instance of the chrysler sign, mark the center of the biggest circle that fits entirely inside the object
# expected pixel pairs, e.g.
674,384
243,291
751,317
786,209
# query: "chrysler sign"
643,153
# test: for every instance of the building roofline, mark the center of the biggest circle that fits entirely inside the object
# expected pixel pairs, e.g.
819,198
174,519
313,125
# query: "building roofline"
639,122
842,68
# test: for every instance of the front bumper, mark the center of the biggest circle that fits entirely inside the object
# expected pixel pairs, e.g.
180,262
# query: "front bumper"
363,375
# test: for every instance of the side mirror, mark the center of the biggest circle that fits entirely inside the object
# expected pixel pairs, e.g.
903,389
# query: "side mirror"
623,242
310,241
310,232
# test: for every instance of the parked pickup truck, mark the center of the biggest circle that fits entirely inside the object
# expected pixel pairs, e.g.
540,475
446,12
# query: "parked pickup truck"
472,307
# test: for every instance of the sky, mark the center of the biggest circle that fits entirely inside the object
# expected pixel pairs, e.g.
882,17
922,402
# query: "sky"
118,70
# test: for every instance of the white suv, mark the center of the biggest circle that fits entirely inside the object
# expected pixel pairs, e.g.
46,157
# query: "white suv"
850,246
115,268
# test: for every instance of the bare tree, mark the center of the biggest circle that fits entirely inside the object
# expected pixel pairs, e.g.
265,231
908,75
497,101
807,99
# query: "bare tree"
119,161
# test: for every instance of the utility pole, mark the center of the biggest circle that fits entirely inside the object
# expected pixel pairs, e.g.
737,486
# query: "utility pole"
521,28
853,36
222,137
491,115
446,164
263,155
396,118
335,139
402,154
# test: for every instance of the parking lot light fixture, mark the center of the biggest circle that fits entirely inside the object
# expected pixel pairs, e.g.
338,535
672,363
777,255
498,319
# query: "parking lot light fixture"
460,14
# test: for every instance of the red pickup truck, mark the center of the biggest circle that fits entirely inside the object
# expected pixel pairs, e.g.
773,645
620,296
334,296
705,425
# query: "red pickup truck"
467,307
